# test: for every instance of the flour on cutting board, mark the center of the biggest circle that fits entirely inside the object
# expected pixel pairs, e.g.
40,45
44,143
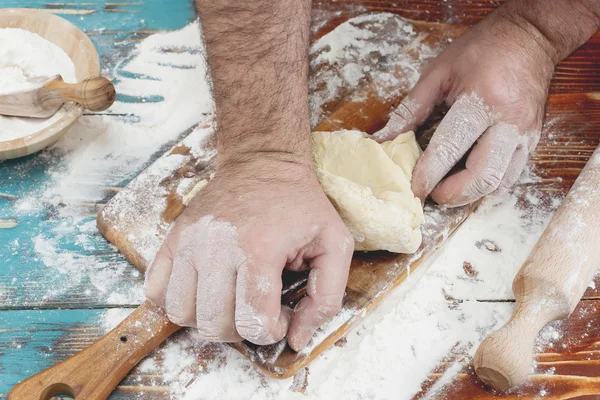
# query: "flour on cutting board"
100,152
433,315
24,55
396,346
377,48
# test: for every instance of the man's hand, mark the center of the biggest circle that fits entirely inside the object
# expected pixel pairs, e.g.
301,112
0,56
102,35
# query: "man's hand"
495,80
220,267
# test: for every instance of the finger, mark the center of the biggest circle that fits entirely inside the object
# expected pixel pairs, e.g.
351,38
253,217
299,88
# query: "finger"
466,120
414,108
215,299
325,289
259,315
515,168
181,291
157,276
486,166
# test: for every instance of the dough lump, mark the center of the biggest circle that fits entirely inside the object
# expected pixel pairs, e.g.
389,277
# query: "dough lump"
369,185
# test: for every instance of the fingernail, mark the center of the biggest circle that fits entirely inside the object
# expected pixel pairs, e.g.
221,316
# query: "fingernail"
177,320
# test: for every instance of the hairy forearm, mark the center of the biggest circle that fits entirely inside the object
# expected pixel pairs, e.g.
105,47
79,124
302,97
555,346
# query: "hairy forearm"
559,26
257,53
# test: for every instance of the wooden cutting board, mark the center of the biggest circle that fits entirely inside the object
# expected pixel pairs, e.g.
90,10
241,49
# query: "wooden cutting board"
137,219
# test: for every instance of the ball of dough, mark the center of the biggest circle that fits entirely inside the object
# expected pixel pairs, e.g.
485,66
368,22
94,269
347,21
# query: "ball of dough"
369,185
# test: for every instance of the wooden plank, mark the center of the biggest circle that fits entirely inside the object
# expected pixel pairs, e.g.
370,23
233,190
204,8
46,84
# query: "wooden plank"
34,169
33,340
26,279
125,234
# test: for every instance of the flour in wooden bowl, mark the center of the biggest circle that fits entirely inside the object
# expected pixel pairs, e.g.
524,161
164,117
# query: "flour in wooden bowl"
25,55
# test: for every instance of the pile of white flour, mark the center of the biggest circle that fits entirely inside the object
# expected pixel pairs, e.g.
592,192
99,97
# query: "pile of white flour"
25,55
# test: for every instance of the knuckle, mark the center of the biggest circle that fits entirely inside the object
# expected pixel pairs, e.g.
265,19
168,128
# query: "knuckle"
447,151
254,328
500,95
471,53
488,181
339,240
468,113
400,116
502,189
262,240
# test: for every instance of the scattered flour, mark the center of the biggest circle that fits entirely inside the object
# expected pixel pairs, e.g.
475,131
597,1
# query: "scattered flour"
377,48
103,151
434,316
24,55
99,150
112,317
395,348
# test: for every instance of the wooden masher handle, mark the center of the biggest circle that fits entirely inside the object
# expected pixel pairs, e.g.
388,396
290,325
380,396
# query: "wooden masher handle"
93,373
95,94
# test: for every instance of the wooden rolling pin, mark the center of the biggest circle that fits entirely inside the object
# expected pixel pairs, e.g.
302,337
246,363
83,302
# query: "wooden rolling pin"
93,373
49,94
549,284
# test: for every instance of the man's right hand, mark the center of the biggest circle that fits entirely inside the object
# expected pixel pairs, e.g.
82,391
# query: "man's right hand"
219,269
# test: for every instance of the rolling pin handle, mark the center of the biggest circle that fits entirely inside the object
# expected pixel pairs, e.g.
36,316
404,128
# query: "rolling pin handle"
549,284
503,360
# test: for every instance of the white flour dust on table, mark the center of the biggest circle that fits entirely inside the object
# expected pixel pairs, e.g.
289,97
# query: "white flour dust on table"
395,348
101,152
392,352
25,55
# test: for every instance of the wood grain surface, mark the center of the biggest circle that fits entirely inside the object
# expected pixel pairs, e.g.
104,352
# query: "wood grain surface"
38,331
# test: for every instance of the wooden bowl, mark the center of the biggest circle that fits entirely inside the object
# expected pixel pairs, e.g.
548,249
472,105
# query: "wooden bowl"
81,51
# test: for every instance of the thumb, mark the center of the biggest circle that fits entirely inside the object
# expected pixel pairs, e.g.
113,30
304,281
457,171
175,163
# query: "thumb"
158,274
415,108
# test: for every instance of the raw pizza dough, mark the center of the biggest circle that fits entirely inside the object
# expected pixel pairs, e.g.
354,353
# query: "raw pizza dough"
369,185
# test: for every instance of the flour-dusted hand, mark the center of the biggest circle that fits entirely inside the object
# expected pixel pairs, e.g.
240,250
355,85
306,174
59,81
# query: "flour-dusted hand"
495,78
220,267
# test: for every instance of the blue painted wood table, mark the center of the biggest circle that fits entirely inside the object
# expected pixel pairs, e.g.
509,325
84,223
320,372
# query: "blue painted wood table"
50,302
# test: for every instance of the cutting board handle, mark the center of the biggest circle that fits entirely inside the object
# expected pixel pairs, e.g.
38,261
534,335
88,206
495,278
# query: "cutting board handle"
93,373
